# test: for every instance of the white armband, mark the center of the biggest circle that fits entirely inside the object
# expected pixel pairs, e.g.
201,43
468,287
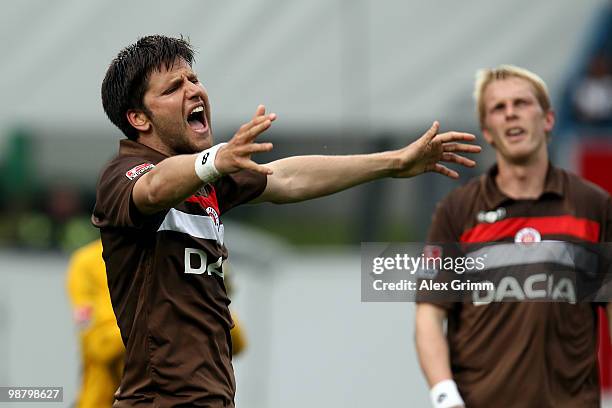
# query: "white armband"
445,395
205,164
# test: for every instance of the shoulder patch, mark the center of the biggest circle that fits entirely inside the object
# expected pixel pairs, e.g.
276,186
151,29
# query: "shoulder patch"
139,170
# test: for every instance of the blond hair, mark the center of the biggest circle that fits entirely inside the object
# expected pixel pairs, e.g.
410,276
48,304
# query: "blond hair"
488,75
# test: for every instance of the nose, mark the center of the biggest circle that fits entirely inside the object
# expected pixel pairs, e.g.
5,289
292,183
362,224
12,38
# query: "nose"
510,112
194,91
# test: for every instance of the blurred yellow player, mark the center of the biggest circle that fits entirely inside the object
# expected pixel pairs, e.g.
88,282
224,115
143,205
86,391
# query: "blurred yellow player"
102,349
239,342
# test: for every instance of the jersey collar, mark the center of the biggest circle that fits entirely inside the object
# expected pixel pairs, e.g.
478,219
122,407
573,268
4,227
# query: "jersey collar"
494,197
129,147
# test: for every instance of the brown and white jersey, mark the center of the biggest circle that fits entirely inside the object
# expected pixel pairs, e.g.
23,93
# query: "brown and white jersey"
165,275
524,354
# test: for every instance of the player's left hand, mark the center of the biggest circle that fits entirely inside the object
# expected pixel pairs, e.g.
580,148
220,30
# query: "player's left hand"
427,153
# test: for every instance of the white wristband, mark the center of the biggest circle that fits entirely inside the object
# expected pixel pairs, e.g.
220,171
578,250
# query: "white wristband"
205,164
445,395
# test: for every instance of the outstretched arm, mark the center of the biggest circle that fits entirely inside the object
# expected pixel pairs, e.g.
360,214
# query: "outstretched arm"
301,178
174,179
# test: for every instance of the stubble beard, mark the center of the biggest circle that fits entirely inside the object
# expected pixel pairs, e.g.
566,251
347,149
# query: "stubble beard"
175,138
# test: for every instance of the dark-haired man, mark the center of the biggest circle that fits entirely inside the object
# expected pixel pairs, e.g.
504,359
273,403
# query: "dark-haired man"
159,204
516,351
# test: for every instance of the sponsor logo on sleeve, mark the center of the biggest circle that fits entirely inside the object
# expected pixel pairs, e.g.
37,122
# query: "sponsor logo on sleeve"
138,170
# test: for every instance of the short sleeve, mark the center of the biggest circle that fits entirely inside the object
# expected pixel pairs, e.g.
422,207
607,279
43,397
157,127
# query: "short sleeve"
114,205
442,231
239,188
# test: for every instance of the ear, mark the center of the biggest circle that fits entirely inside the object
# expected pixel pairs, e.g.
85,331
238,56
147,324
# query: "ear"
139,120
488,137
549,121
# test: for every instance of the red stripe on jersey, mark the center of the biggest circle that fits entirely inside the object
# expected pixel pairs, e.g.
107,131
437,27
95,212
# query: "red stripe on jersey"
569,225
205,202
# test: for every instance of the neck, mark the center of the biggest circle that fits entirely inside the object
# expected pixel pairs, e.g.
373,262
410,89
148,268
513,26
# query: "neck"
522,181
155,143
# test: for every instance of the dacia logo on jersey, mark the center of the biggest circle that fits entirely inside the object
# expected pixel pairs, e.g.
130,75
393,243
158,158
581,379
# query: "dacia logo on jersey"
196,263
212,213
527,235
491,216
538,286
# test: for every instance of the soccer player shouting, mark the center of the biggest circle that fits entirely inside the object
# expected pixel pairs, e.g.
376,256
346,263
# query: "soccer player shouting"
159,204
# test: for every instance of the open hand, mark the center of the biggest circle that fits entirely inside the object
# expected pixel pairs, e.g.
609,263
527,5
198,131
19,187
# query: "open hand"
427,153
236,154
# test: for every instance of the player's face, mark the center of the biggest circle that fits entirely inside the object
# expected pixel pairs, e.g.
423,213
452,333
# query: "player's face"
515,123
179,107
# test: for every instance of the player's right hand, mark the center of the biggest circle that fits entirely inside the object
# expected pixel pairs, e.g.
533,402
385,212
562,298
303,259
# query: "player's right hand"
432,149
236,154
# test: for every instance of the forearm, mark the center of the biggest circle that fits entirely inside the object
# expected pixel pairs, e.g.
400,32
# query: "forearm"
304,177
169,183
431,344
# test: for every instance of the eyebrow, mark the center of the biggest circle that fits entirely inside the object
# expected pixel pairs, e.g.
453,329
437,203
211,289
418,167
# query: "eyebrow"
174,81
514,99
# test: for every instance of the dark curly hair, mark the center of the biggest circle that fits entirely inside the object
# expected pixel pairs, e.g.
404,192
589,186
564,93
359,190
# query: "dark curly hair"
126,79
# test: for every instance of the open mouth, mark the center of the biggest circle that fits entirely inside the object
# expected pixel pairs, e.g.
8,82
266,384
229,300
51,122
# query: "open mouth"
515,132
197,120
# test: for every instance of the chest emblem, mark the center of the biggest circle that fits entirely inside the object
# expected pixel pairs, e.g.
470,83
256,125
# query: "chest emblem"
212,213
527,235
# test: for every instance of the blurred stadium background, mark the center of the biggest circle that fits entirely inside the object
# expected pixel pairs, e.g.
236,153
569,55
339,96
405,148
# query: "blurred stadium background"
344,77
